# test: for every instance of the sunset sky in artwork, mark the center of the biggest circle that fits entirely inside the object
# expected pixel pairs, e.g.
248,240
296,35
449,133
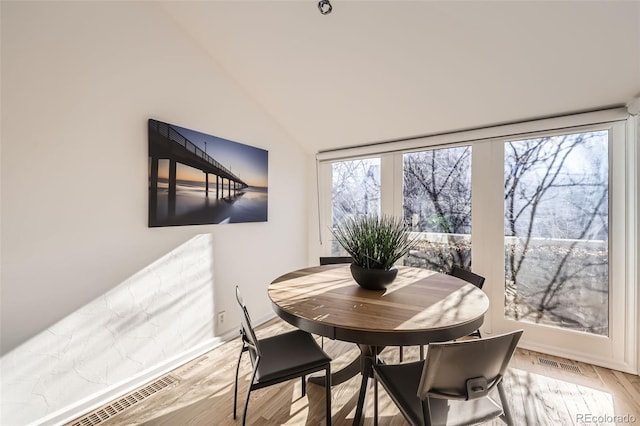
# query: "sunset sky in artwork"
248,163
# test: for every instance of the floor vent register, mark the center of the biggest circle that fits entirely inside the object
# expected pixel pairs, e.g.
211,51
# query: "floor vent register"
124,403
561,365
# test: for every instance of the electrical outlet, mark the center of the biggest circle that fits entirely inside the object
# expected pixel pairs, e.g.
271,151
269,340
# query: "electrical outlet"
221,317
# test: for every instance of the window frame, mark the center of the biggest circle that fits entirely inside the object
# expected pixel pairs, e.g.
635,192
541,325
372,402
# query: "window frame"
618,349
488,240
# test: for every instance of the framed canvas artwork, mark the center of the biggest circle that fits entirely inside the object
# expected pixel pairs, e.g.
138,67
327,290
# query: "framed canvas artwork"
197,179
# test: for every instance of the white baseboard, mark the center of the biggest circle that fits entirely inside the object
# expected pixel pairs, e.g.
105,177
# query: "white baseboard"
580,356
92,402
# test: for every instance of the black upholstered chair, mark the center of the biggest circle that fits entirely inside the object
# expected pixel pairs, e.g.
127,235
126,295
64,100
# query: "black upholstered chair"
471,278
278,359
451,386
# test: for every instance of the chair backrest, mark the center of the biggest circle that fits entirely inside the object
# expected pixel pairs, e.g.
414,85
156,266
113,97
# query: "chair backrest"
334,260
248,334
468,276
466,369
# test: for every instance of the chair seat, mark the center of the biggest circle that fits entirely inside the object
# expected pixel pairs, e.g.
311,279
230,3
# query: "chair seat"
402,381
302,353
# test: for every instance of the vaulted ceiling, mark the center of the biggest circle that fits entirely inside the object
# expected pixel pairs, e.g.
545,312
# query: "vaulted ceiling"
381,70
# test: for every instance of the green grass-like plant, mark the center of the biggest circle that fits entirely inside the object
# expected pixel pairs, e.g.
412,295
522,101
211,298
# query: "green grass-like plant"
374,242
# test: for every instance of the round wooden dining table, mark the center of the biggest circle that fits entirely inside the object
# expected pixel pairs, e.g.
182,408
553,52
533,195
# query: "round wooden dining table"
417,308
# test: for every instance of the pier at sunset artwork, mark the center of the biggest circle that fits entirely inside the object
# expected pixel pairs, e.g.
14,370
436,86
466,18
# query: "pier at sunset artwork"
196,178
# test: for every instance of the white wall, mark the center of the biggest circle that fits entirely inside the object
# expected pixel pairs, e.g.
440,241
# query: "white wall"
79,81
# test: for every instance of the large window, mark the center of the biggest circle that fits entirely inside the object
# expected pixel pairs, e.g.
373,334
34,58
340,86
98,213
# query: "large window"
557,231
437,205
546,211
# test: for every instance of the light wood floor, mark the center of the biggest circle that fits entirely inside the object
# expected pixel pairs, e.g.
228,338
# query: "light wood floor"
540,394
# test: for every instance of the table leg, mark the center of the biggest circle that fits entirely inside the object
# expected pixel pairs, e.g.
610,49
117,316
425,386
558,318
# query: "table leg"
368,355
363,365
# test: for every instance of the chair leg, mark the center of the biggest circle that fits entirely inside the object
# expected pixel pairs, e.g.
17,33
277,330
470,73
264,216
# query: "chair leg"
327,392
235,388
249,388
401,352
375,386
505,405
421,353
304,386
375,401
426,411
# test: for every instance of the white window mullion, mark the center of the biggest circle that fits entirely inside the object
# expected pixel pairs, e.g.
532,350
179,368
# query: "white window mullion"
388,186
487,226
631,242
324,207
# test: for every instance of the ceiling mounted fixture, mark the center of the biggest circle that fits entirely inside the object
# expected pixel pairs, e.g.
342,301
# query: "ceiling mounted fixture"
325,7
633,106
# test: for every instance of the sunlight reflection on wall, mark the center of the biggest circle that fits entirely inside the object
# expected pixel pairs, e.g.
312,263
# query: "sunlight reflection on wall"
154,317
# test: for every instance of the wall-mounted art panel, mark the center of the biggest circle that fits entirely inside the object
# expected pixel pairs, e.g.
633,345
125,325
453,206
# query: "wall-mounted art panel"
197,179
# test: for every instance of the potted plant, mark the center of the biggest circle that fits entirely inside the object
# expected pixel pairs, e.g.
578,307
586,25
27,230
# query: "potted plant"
375,243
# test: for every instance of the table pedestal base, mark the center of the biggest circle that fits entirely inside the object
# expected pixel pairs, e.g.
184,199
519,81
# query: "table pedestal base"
363,365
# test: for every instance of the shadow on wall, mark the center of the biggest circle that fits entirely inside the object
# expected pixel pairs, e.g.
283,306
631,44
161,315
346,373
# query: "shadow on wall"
147,324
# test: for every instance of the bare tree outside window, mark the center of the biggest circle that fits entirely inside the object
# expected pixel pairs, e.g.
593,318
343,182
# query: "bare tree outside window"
437,204
355,192
556,231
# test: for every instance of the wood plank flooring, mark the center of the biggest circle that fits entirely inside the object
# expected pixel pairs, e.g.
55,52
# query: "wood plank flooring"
543,390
